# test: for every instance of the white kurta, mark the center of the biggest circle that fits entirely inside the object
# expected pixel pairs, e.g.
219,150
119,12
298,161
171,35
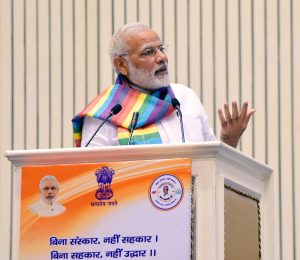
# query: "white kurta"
196,126
46,210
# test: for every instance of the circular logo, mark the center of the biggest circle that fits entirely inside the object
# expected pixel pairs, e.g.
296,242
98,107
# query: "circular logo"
166,192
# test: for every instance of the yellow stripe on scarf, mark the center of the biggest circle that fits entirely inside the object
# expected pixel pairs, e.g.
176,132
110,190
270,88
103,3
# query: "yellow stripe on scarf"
135,108
100,102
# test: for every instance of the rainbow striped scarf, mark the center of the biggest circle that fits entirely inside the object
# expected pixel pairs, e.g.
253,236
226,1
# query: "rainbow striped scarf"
151,107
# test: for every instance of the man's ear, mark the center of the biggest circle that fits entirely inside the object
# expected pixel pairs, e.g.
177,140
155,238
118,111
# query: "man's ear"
121,65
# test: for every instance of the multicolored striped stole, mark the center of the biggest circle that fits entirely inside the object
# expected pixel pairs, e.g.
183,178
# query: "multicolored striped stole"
151,107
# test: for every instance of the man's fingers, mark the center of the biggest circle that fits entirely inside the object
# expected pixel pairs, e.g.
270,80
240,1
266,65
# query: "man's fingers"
244,111
227,113
242,117
221,117
235,111
250,113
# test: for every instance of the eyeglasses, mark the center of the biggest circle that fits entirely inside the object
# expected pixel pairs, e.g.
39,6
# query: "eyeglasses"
151,51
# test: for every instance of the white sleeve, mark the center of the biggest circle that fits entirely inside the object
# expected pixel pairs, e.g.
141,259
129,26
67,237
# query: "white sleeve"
195,119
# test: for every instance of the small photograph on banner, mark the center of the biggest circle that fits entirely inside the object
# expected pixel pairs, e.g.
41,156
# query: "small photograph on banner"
112,210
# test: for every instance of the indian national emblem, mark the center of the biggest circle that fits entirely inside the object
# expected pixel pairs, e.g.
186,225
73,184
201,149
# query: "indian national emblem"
104,179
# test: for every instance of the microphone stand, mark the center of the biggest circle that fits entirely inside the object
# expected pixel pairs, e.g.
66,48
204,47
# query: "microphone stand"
134,119
176,105
103,122
179,114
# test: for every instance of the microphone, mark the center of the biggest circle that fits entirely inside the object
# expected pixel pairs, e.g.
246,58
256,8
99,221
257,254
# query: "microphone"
176,105
134,120
115,110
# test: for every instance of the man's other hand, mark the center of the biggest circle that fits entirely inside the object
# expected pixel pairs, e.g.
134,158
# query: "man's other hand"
233,125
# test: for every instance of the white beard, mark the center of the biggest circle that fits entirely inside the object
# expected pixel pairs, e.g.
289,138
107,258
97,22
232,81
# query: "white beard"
147,80
48,200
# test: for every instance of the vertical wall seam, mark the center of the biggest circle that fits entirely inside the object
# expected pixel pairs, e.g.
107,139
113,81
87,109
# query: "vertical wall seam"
163,21
125,11
214,64
253,73
226,51
37,76
138,10
201,51
50,74
150,12
12,75
240,61
176,46
25,76
62,73
113,15
98,48
86,51
292,128
74,56
12,124
240,79
266,81
279,124
188,44
113,30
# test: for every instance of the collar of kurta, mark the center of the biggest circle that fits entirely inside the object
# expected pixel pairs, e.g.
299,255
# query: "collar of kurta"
152,107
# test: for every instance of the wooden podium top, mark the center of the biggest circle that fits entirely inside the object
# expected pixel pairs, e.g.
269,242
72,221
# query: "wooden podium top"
206,150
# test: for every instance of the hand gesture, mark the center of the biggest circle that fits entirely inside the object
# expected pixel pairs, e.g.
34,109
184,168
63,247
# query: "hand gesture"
233,125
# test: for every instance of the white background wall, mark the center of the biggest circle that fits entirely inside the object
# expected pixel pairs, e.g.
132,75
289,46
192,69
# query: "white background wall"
54,59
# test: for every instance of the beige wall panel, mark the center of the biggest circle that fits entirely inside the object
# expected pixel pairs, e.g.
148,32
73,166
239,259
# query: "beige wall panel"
182,42
272,106
156,16
19,79
246,69
43,74
296,120
106,73
207,53
119,14
285,131
56,72
233,50
31,74
169,36
259,79
144,14
80,61
68,71
6,120
220,59
131,11
55,87
194,46
92,50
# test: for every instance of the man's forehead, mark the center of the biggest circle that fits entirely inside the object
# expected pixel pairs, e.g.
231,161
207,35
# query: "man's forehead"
49,183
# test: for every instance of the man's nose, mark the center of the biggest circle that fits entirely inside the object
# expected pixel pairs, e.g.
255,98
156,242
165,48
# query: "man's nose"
161,56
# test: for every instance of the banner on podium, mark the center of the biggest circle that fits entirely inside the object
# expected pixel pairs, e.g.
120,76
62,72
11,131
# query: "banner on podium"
113,210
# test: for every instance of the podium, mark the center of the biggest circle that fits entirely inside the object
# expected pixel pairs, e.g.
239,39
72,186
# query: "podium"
231,192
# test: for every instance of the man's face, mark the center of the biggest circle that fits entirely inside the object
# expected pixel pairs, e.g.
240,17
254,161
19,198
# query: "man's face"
48,191
147,61
165,190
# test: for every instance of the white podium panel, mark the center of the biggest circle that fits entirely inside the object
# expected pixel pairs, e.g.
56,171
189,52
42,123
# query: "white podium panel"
214,166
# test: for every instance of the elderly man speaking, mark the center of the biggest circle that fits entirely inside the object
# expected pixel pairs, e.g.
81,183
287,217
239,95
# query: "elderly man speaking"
47,205
142,88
